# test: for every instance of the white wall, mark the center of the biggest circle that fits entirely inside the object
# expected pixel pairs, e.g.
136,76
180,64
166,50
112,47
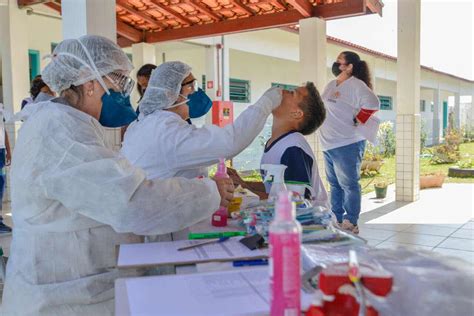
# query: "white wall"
42,31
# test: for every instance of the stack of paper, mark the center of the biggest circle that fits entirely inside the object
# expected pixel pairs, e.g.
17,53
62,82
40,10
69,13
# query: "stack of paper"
166,253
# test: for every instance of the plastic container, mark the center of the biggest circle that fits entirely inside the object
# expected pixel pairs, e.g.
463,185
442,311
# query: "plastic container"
275,179
285,259
219,218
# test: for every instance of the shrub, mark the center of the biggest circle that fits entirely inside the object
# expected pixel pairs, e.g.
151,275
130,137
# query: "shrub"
466,164
423,136
386,139
372,153
449,151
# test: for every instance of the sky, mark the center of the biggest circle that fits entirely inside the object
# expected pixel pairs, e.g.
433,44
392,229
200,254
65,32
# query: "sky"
446,34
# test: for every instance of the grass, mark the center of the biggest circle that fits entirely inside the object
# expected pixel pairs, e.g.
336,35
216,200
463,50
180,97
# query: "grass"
387,171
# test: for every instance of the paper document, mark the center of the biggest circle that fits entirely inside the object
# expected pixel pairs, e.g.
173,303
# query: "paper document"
239,292
369,129
165,253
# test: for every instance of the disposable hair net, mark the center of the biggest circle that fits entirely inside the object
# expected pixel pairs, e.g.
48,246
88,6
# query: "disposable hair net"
164,86
76,61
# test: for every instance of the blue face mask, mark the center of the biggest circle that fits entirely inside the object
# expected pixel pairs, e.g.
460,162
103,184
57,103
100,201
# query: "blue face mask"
199,104
117,110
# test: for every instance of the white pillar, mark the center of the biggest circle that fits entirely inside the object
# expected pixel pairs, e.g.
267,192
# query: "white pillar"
313,67
142,53
225,70
14,65
408,101
470,120
81,17
92,17
211,71
372,68
15,61
211,65
437,106
457,110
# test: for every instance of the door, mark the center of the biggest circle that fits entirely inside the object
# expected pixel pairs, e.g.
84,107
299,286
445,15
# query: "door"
445,116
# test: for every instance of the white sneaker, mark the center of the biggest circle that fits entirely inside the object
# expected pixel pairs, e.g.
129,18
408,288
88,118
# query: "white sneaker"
346,225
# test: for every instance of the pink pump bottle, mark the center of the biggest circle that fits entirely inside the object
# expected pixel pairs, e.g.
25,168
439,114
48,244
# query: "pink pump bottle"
285,259
219,218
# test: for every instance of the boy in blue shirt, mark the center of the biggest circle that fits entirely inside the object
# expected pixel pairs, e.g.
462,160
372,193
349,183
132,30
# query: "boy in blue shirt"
301,113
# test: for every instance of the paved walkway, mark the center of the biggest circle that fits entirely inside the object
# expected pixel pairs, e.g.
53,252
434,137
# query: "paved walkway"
442,220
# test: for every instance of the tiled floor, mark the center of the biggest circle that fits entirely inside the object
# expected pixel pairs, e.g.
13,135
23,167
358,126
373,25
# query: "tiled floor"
442,221
445,230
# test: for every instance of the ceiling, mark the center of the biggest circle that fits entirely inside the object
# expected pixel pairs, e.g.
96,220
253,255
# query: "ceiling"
155,21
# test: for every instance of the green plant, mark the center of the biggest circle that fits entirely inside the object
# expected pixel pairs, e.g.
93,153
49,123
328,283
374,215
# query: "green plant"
372,153
381,183
386,139
466,164
423,136
449,151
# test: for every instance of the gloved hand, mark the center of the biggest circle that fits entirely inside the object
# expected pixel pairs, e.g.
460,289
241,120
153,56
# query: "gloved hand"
272,97
226,190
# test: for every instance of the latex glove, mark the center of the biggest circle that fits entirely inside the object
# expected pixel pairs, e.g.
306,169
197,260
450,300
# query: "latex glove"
226,190
272,97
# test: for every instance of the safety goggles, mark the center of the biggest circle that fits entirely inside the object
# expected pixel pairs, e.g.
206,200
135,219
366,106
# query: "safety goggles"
122,82
193,83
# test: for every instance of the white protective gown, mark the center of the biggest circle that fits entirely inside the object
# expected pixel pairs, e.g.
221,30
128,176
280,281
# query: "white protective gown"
165,146
73,202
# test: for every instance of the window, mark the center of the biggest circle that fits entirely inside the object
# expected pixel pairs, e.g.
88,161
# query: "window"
34,58
385,103
239,90
432,106
53,46
422,105
284,86
203,83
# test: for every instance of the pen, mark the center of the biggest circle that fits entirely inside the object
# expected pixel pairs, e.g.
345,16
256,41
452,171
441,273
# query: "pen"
204,243
257,262
215,235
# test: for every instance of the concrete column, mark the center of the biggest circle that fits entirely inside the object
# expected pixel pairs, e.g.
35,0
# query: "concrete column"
457,110
142,53
225,70
372,68
92,17
437,106
15,61
211,77
14,65
313,67
81,17
408,101
470,119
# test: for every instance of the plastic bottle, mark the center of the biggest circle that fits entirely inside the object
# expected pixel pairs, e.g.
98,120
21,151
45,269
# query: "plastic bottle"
275,176
219,218
285,259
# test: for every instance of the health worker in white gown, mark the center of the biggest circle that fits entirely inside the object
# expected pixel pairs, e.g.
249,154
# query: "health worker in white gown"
74,200
165,145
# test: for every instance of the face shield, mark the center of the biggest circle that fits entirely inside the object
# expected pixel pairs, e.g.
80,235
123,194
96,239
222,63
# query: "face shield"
123,83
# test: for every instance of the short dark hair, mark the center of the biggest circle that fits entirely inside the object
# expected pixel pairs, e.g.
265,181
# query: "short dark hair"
313,109
36,85
146,70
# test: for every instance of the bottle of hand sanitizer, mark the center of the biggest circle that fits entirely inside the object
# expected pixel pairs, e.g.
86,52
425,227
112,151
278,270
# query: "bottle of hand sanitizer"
285,261
274,180
219,218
